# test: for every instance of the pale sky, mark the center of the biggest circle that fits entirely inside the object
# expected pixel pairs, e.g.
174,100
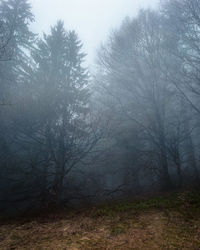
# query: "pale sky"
91,19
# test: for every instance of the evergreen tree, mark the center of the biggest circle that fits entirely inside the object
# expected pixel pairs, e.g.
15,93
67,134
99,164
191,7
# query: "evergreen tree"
16,39
61,93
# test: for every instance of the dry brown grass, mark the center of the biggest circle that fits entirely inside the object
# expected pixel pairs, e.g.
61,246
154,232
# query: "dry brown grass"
109,227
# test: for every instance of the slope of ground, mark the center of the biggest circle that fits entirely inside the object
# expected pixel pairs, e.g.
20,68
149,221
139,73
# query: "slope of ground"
172,222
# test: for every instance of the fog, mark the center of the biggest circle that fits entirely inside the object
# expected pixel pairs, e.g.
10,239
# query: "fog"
92,19
74,134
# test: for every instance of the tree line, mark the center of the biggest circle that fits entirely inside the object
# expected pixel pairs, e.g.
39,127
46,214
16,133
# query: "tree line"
67,134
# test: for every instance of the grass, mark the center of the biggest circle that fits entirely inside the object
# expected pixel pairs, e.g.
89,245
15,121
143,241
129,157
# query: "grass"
170,222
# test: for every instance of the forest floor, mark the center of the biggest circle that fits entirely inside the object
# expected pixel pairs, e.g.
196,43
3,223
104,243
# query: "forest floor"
170,222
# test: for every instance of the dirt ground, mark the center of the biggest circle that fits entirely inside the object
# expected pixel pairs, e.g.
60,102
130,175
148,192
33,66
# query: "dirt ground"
160,223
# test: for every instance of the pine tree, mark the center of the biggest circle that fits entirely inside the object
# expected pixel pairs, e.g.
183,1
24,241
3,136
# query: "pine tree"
16,39
61,93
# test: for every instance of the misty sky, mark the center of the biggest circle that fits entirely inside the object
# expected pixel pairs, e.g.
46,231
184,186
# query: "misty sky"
92,19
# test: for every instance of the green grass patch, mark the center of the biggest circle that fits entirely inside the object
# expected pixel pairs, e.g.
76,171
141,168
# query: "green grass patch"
118,229
136,206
